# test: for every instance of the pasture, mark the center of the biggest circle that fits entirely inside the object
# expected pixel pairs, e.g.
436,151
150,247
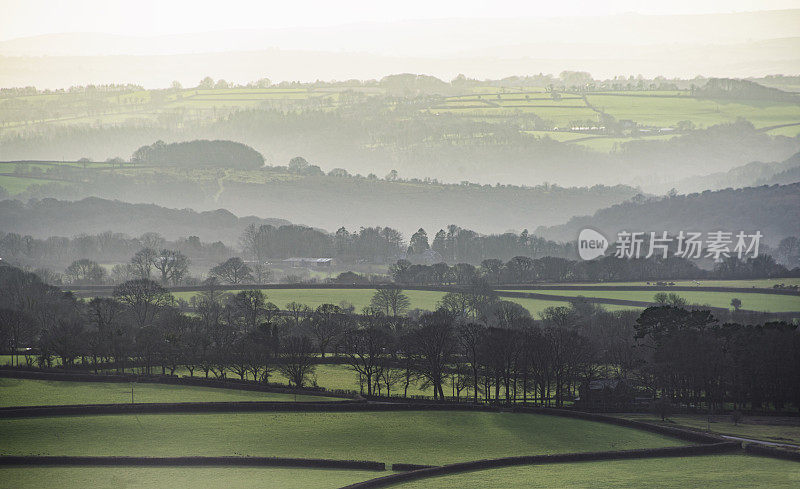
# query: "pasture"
766,283
750,301
331,376
709,472
341,377
669,110
771,428
660,109
422,437
180,477
791,131
646,108
360,298
536,306
15,185
26,392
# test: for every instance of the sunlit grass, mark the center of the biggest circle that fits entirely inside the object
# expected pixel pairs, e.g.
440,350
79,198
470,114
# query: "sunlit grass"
428,437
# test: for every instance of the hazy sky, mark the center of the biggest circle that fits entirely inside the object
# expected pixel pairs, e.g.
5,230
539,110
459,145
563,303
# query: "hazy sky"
22,18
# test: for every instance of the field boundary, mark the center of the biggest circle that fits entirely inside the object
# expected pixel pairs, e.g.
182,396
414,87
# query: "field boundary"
340,406
180,407
456,288
69,460
768,451
655,288
627,302
234,384
686,451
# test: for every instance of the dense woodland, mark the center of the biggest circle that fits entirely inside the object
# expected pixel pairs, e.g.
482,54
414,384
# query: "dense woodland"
319,200
753,174
50,217
769,209
377,134
522,269
473,347
451,256
216,154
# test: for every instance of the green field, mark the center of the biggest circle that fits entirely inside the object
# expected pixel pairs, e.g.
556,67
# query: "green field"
360,298
708,472
750,301
788,131
339,376
25,392
561,136
16,185
770,428
31,392
648,108
766,283
327,375
535,306
668,111
412,437
608,144
179,477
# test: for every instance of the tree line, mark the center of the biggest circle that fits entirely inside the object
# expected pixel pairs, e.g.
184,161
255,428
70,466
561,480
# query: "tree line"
474,346
199,153
523,269
76,260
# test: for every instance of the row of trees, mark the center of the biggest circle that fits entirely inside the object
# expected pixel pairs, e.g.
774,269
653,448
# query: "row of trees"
473,346
523,269
199,153
57,253
372,244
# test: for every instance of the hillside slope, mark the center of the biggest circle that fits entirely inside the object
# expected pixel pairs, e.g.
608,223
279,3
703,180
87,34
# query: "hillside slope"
51,217
773,210
749,175
329,202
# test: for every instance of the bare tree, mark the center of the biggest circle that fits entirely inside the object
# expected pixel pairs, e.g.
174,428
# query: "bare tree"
364,348
143,298
234,271
391,300
470,336
433,347
298,313
172,264
296,361
326,326
142,262
85,271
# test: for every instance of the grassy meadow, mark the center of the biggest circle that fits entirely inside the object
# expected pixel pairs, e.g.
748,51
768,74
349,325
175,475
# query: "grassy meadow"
668,110
180,477
651,108
716,471
766,283
769,428
15,185
750,301
709,472
360,298
26,392
425,437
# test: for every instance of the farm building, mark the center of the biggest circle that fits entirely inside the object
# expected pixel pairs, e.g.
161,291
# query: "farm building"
300,262
607,394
